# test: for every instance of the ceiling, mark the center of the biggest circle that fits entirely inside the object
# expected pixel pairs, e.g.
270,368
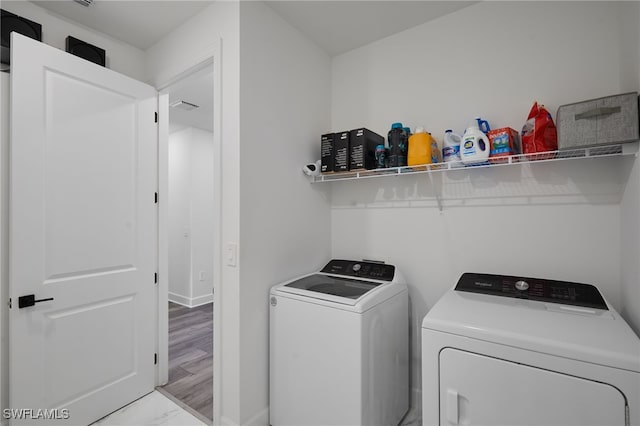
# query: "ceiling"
138,23
336,26
340,26
196,89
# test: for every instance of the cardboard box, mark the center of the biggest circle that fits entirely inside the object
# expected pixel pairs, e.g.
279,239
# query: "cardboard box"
326,153
363,149
341,152
503,142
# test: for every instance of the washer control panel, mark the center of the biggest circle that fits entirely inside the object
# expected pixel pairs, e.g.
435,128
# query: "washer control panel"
361,269
550,291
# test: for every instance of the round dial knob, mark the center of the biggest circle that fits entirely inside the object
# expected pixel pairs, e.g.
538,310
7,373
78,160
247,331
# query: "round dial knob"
356,267
522,285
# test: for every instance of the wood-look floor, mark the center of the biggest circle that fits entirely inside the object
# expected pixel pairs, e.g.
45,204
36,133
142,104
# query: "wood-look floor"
191,356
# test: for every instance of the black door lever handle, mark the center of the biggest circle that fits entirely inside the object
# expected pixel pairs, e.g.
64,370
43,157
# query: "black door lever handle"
30,300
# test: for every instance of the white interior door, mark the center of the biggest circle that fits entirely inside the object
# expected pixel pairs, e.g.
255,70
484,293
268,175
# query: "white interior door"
83,232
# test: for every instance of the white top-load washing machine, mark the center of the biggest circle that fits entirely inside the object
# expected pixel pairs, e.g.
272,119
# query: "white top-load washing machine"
504,350
339,347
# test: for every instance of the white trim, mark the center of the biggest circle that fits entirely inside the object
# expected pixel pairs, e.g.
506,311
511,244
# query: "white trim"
162,372
201,300
225,421
4,244
204,61
258,419
190,302
414,416
179,299
209,55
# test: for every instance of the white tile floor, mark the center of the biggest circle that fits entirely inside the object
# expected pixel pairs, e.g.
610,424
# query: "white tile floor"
153,409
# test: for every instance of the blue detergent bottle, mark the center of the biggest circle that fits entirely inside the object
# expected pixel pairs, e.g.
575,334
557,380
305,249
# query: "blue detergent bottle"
398,145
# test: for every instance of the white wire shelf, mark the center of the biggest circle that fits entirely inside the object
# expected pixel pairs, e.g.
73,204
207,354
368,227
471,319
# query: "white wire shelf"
520,159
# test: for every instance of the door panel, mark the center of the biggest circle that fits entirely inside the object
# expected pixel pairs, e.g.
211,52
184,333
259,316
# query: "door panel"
83,232
61,337
98,210
89,220
481,390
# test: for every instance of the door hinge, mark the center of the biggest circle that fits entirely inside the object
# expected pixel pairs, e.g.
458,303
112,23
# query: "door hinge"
9,303
156,115
155,278
155,359
155,198
627,418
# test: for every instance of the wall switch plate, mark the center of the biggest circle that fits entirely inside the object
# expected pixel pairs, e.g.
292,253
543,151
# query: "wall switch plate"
231,253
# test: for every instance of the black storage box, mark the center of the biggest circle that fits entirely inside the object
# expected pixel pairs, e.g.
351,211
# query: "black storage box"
341,152
85,50
602,121
326,153
10,22
363,148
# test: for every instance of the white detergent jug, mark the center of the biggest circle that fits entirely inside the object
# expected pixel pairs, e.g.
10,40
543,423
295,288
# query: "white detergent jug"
474,148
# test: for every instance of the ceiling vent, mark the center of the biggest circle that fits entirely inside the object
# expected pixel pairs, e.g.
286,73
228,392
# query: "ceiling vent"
187,106
84,2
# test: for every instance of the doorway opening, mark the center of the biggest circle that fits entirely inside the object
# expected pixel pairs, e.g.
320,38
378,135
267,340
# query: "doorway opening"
189,227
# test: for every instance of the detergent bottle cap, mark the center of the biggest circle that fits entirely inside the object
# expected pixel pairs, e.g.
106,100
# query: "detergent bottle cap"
448,131
396,126
420,129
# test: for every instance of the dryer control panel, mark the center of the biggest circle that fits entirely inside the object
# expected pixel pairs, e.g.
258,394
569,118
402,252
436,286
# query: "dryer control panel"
361,269
542,290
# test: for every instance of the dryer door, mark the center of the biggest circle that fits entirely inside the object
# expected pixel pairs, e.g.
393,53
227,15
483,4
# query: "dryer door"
480,390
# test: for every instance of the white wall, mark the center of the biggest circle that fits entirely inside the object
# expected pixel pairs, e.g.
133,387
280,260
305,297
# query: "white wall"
630,253
4,241
491,59
285,221
202,204
179,217
183,48
190,209
631,200
121,57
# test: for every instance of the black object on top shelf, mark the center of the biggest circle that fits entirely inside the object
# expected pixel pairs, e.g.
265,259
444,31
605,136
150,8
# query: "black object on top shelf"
85,50
10,22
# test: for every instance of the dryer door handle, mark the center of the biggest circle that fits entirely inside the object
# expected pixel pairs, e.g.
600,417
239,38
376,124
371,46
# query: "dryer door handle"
452,406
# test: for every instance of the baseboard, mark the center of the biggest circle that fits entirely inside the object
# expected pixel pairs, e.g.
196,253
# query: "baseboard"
414,416
261,418
190,302
225,421
201,300
179,299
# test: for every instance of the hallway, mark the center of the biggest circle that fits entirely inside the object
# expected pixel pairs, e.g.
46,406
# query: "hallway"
191,357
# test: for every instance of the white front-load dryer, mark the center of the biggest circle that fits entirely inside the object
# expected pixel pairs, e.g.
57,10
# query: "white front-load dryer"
339,347
504,350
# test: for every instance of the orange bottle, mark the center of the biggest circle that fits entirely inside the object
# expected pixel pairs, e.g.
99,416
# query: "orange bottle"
419,148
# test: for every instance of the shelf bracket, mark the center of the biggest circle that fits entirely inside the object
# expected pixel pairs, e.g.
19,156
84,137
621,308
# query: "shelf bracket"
435,192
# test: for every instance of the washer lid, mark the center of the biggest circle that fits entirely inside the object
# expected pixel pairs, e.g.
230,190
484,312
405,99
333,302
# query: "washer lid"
343,290
587,334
